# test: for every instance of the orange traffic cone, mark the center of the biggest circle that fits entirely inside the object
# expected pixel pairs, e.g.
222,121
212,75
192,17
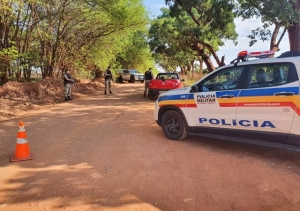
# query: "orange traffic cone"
22,148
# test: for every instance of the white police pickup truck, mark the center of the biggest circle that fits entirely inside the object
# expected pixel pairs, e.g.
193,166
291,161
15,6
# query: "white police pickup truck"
254,101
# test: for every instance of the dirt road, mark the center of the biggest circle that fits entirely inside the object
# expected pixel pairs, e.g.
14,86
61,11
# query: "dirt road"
107,153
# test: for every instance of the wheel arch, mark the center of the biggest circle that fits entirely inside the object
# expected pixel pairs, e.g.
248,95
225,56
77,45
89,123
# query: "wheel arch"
166,108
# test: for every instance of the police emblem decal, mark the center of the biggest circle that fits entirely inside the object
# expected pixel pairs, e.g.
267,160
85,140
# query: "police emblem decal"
206,99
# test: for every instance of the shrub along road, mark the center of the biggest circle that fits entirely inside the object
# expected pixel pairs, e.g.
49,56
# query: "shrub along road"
107,153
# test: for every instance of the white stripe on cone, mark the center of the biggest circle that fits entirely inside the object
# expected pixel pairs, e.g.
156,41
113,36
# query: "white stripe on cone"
21,141
21,128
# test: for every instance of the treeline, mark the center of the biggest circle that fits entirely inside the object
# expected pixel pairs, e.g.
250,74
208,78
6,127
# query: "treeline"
84,35
189,33
50,35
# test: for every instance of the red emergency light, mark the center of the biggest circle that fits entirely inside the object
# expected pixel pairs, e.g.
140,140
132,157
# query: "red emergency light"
245,55
257,54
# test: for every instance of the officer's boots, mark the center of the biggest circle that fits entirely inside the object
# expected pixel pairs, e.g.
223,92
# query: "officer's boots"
105,92
66,99
110,92
69,98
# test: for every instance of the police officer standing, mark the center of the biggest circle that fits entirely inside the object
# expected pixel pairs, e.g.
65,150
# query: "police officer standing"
148,77
108,78
67,85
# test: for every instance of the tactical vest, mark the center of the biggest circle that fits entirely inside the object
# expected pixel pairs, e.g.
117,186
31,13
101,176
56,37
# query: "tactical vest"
148,75
108,76
66,81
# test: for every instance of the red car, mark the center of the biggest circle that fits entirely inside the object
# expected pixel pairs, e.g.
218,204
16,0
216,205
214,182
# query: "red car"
164,82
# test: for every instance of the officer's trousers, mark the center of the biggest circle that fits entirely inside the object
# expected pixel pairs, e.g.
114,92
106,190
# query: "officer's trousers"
107,84
147,82
67,90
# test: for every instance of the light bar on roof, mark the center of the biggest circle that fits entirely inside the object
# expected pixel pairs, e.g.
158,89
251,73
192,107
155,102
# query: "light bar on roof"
257,54
245,55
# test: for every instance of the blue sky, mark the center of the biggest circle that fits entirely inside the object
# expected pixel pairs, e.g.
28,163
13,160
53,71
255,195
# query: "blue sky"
243,28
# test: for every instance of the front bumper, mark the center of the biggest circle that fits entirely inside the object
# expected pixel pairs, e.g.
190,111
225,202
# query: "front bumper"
139,77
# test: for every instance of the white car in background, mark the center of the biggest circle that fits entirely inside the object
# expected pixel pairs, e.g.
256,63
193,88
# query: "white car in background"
130,75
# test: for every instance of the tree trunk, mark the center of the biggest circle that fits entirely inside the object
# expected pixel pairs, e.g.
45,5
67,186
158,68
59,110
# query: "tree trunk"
201,68
208,62
294,32
294,37
192,68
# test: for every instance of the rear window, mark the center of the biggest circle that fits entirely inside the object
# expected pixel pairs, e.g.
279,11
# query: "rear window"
167,76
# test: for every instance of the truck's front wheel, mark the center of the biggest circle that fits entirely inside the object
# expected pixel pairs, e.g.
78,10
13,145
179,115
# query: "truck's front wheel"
174,126
132,79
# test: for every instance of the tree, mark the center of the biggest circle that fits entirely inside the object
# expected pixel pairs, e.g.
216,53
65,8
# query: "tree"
213,22
294,28
169,43
54,34
136,53
282,14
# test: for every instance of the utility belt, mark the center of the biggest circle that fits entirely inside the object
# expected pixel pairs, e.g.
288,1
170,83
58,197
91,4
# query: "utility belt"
108,78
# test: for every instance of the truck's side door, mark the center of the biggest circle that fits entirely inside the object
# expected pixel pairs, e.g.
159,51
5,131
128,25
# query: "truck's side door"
215,100
294,136
266,107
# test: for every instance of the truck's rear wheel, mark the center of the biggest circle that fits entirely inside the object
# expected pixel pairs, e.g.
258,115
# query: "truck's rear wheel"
120,79
174,126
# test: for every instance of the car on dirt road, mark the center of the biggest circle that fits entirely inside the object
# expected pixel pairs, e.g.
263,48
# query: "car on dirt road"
130,75
254,101
164,82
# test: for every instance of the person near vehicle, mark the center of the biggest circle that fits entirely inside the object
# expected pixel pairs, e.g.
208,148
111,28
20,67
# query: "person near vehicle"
68,81
148,77
108,79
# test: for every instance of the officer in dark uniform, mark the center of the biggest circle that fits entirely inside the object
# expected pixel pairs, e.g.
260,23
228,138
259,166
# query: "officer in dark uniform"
108,79
67,85
148,77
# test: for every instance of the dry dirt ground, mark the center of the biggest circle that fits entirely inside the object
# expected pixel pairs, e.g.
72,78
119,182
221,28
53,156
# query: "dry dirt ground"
106,153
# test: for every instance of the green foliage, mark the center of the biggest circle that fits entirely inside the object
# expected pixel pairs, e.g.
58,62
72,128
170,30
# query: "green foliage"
279,12
52,34
190,30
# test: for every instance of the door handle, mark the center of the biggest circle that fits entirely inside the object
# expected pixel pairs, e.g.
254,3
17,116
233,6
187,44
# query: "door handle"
226,96
284,94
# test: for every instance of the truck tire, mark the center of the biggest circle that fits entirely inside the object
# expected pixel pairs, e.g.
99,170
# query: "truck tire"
174,126
132,79
120,79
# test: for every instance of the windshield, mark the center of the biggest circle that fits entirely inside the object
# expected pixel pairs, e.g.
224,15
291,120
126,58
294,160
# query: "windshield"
134,71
